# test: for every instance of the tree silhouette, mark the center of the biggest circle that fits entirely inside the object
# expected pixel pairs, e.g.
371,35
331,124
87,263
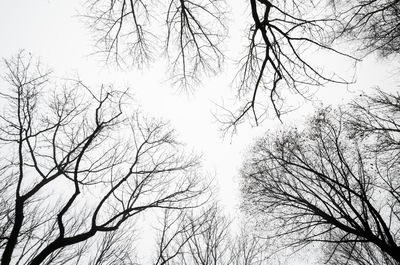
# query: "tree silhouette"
205,237
76,168
372,24
334,182
277,61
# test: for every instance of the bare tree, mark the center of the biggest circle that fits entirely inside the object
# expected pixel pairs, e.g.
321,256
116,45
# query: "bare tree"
277,61
205,238
114,248
376,119
194,239
77,167
334,182
171,240
357,253
249,249
6,209
372,24
192,34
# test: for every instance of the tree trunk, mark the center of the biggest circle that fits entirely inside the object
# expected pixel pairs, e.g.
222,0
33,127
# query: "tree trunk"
13,239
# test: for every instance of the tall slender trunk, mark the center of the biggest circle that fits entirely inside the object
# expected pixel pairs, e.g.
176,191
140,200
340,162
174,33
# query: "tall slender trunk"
19,201
13,238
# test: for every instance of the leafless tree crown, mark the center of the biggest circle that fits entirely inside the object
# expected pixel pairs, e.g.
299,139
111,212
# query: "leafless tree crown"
334,182
277,62
206,237
75,167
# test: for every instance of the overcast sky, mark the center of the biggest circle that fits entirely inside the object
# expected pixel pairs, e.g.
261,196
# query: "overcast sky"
53,31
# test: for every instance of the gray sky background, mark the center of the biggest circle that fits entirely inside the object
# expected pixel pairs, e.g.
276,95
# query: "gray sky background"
52,30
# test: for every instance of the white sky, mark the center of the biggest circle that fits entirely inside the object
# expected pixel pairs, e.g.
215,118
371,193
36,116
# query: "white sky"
51,30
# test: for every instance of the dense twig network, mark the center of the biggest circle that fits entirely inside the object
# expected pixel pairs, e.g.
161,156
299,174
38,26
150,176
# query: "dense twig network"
336,181
67,155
